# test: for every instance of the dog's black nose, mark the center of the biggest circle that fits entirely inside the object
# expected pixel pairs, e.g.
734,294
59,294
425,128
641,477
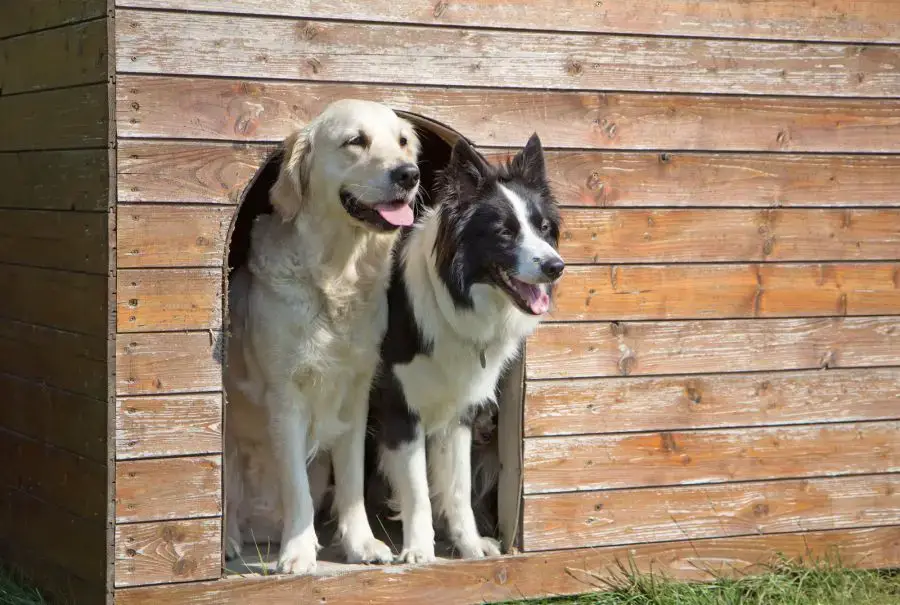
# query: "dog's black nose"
406,175
553,267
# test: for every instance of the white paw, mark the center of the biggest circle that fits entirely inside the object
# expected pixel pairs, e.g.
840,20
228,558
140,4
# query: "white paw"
417,554
298,555
369,550
232,548
478,548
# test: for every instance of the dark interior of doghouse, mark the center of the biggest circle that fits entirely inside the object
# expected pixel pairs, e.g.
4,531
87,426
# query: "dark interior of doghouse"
434,156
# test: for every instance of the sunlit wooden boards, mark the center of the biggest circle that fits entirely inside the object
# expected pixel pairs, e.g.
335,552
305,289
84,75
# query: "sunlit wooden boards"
727,324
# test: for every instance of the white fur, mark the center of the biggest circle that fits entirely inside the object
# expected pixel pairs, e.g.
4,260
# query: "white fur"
533,249
307,317
441,386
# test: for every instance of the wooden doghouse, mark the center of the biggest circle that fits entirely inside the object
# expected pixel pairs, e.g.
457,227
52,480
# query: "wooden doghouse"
719,381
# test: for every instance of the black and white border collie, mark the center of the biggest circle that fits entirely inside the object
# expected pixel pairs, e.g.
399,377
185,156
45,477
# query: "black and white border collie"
471,281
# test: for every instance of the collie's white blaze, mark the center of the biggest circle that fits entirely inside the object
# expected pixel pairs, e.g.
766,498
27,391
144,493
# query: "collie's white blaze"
533,249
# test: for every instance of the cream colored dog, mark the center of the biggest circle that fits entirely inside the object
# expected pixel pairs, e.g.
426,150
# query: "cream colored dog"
307,317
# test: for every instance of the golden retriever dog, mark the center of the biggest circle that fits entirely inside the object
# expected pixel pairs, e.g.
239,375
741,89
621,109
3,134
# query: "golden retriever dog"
307,316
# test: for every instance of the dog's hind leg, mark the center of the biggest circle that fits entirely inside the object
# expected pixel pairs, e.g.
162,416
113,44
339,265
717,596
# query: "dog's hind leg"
348,455
288,429
450,461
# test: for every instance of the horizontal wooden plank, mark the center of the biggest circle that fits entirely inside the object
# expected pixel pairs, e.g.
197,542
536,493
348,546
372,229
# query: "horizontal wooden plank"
174,362
154,106
56,180
536,575
231,45
694,347
64,56
688,235
165,300
157,235
720,455
611,405
168,551
873,21
177,425
168,488
193,172
218,173
69,421
67,118
70,241
64,479
65,360
23,17
34,295
73,543
631,292
577,520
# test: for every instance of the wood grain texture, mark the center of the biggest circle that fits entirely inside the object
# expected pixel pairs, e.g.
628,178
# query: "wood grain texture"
70,241
61,478
577,520
23,17
65,56
634,292
689,235
165,235
193,173
165,300
694,347
217,173
74,544
56,180
66,360
873,20
713,456
168,488
162,363
67,118
229,45
34,295
156,106
175,425
68,421
610,405
536,575
168,551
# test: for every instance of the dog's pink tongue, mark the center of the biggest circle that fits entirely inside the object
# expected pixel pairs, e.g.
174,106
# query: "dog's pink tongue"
399,214
538,300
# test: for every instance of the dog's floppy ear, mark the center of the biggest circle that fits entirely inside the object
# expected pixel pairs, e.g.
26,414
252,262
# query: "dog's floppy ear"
290,188
468,169
529,163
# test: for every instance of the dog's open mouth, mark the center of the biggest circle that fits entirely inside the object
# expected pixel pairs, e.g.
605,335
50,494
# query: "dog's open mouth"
531,298
385,216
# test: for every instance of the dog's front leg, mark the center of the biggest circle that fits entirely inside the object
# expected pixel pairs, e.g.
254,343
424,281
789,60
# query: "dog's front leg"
348,454
450,454
289,429
407,471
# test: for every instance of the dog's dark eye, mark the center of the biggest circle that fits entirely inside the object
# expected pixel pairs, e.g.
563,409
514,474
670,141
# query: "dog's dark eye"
545,226
403,141
359,140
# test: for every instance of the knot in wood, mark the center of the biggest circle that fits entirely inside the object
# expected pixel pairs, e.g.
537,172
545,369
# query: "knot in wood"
439,8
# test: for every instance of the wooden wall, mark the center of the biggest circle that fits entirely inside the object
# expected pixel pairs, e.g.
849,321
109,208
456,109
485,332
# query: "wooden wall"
54,265
724,344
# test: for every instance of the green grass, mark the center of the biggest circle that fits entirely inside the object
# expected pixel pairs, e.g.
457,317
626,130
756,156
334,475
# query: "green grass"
14,591
784,584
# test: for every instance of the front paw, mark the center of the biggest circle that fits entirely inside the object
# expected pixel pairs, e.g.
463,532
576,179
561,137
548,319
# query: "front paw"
369,550
298,554
232,548
417,554
478,548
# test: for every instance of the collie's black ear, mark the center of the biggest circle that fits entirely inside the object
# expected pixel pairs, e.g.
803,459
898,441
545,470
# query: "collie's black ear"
529,163
467,170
